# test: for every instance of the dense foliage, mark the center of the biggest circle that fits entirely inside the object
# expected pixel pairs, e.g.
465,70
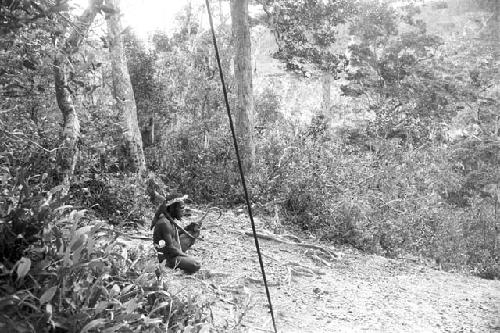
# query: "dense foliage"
305,31
62,268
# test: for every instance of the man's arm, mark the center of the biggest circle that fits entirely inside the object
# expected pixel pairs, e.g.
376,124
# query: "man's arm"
164,231
170,250
177,225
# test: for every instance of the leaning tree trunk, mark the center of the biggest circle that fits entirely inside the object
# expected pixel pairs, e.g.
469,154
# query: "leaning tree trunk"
123,93
326,82
69,151
243,77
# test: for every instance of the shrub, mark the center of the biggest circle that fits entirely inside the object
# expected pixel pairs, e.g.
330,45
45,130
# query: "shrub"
389,199
118,198
199,163
81,279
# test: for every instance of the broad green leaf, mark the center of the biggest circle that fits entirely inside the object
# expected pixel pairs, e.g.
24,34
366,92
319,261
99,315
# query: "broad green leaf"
78,243
127,288
76,215
23,267
63,208
83,230
205,328
93,324
131,306
76,256
101,306
160,306
115,290
114,328
48,295
124,253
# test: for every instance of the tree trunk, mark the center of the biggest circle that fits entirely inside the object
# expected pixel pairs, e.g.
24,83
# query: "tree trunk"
243,77
152,122
123,93
221,14
326,83
69,151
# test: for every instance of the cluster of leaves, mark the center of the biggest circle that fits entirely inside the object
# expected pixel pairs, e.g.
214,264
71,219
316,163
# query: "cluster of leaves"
412,79
377,192
118,198
27,126
177,90
58,272
267,106
16,14
380,197
79,278
174,77
306,30
149,91
392,65
207,174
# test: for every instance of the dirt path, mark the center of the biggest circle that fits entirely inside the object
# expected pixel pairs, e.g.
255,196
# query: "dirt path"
354,293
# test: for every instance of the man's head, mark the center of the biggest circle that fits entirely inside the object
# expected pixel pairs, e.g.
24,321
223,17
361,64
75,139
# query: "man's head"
175,210
172,207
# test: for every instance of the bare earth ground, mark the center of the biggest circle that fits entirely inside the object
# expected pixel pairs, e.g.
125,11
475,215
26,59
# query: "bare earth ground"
353,292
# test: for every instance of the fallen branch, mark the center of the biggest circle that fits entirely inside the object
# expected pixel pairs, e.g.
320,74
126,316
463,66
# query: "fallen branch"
267,236
255,328
259,281
317,258
299,269
292,237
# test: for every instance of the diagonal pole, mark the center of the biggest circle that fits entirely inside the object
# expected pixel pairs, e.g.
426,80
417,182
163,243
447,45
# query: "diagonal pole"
242,175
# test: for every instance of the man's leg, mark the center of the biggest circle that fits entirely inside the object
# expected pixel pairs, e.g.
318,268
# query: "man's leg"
187,264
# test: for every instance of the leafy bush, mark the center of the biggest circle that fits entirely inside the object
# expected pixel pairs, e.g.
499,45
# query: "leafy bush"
118,198
267,108
199,163
380,195
83,279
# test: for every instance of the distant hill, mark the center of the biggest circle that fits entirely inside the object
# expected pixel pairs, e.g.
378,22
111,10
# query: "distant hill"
301,97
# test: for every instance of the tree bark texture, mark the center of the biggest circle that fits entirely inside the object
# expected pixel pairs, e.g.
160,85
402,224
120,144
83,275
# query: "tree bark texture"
243,76
123,93
69,150
326,82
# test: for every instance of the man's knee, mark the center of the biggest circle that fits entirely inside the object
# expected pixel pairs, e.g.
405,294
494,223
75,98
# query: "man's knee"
196,266
189,265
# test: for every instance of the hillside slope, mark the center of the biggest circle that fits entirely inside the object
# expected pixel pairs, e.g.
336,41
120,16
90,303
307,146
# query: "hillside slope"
352,292
301,96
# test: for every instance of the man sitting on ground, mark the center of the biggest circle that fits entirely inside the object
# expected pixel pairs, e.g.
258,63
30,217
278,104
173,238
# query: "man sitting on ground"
176,240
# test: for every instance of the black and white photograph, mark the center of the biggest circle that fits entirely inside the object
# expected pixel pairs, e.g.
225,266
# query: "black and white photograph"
212,166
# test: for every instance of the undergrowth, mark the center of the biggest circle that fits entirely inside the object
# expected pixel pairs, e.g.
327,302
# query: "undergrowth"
384,196
78,277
